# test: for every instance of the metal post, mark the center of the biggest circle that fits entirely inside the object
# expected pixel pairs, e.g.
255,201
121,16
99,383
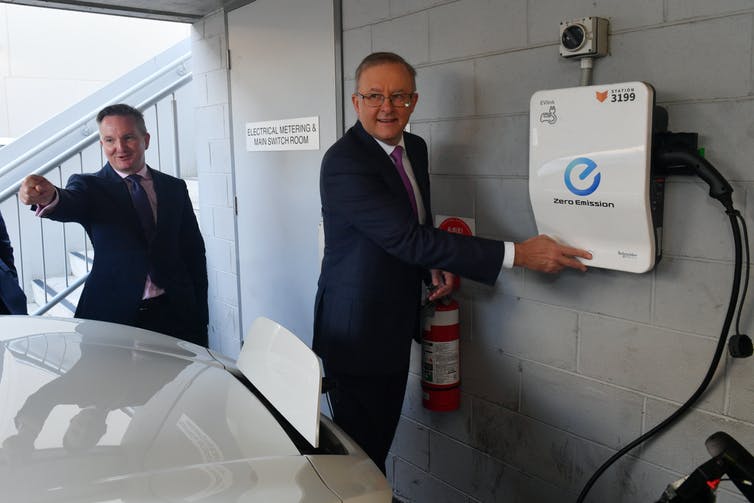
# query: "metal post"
176,150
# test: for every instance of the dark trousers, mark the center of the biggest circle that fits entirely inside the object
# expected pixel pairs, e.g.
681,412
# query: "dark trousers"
155,314
368,408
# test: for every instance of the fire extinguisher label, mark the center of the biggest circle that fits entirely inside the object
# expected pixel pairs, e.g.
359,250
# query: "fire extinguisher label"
440,362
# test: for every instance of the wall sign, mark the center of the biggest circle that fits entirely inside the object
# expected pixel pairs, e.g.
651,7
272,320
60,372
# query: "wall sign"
456,225
284,134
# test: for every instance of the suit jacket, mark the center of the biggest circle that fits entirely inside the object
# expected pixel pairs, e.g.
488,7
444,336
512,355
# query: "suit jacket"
175,256
376,255
12,297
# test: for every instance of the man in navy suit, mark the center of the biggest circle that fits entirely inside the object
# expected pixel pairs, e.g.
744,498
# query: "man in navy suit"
380,245
149,267
12,298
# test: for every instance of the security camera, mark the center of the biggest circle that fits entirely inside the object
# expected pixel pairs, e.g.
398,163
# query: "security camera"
573,37
585,37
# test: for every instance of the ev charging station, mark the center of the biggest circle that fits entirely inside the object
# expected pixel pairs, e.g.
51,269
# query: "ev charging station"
598,158
590,158
596,182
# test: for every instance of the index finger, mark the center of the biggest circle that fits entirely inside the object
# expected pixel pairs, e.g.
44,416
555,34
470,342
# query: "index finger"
576,252
567,261
441,291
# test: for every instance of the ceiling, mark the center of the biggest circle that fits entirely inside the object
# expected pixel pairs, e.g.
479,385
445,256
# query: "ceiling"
185,11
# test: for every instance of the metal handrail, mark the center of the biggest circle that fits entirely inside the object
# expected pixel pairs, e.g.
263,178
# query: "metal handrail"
62,295
51,164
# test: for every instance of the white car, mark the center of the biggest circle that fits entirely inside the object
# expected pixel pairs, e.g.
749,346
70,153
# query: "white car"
99,412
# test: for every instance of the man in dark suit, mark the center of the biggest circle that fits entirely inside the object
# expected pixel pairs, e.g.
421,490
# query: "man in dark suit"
149,267
379,246
12,298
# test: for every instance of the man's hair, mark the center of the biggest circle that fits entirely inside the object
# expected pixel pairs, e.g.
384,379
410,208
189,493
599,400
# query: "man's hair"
123,110
381,58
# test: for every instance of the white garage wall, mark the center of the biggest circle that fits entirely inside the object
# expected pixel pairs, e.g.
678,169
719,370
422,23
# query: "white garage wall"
50,58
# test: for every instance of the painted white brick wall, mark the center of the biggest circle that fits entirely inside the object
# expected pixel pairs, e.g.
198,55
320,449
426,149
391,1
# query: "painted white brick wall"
560,372
408,34
543,16
210,67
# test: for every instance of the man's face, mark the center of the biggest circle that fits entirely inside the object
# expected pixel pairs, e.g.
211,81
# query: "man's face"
123,143
386,122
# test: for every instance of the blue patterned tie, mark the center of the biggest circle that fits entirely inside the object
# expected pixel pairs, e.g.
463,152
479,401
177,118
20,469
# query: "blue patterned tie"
141,204
397,156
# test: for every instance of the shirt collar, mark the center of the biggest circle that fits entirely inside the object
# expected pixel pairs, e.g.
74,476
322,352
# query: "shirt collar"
389,148
143,172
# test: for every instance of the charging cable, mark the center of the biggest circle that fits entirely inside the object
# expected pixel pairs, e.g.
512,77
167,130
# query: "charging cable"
739,345
668,160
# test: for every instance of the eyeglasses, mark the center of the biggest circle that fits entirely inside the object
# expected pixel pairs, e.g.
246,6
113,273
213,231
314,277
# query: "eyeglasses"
397,100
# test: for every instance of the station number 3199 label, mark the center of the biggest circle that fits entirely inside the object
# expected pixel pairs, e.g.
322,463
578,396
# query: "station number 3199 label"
622,97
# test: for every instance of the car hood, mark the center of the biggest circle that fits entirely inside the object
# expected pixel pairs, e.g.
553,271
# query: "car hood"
92,411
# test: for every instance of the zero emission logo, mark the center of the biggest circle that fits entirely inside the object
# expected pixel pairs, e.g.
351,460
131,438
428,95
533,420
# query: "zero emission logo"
576,175
583,174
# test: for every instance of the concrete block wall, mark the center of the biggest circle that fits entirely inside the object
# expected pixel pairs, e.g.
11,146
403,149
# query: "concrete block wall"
209,47
559,372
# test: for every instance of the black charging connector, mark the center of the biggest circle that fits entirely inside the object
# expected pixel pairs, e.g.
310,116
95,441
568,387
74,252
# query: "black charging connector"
677,154
665,140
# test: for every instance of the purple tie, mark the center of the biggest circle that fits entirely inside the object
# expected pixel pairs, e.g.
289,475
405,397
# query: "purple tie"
142,205
397,156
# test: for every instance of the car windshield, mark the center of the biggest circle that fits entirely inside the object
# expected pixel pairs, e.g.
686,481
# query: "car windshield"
109,405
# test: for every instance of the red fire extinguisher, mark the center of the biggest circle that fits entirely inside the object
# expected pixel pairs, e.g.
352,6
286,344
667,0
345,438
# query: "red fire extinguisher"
441,376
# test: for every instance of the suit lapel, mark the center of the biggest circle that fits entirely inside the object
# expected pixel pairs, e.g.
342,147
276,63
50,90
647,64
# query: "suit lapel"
386,167
384,164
